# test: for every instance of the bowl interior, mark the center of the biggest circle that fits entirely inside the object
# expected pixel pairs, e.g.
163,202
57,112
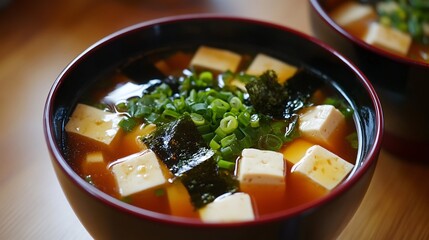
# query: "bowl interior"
224,32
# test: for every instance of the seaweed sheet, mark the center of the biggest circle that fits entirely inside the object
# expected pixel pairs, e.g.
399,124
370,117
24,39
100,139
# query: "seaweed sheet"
183,150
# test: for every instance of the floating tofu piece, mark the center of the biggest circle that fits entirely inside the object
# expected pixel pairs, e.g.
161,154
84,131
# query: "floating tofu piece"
262,63
323,167
318,123
261,167
137,173
94,123
295,150
387,38
215,59
351,12
94,157
228,208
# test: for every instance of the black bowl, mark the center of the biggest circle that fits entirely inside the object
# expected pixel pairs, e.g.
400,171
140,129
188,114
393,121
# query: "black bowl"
400,82
108,218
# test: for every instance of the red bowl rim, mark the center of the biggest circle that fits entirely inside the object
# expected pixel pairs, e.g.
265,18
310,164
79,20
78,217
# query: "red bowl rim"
315,4
108,200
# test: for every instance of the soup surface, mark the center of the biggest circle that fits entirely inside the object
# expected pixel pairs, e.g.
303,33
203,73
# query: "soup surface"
399,27
174,104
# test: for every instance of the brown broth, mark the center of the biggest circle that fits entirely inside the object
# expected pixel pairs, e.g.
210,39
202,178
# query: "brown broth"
298,189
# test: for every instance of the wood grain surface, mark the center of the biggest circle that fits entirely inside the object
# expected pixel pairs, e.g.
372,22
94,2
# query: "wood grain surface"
39,38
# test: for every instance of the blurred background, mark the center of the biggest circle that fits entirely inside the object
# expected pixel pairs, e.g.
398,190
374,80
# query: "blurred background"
39,38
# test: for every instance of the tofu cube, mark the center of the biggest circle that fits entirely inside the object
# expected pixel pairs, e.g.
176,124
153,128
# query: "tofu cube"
262,63
351,12
228,208
261,167
215,59
95,157
137,173
323,167
387,38
318,123
94,123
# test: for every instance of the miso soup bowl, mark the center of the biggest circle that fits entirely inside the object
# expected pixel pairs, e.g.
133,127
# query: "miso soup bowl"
401,83
105,217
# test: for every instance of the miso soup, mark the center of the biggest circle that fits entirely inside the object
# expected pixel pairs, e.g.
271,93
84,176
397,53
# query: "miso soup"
213,134
399,27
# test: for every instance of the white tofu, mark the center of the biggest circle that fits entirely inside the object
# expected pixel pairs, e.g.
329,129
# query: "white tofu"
94,157
261,167
228,208
94,123
215,59
323,167
351,12
137,173
317,123
262,63
387,38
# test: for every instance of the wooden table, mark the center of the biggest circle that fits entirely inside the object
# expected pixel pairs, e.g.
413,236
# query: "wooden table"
39,38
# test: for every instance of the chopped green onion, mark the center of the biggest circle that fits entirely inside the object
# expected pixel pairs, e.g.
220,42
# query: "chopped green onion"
128,124
226,165
200,108
254,120
168,113
270,142
245,142
235,102
206,77
208,136
228,124
219,106
244,118
227,152
214,145
228,140
220,132
198,119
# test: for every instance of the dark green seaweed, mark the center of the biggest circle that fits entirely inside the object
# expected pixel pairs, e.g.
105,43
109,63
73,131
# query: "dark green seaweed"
183,150
282,101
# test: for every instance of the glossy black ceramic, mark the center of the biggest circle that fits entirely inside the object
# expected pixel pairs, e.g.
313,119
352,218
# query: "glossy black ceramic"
401,83
107,218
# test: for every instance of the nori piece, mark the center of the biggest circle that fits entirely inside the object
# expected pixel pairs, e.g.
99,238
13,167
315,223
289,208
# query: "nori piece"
282,101
266,94
183,150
